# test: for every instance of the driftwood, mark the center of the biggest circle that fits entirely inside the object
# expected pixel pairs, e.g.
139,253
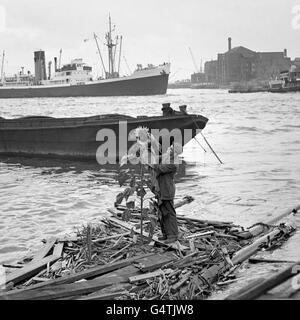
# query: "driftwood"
262,285
185,200
205,222
248,251
30,270
87,274
183,273
149,275
181,282
130,226
42,253
107,293
79,288
111,237
256,230
58,249
266,260
151,263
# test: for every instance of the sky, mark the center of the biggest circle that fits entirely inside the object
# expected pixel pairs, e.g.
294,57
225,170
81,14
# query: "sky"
154,31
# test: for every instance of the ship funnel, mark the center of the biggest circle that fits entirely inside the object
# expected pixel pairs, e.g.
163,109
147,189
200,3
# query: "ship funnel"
55,64
39,66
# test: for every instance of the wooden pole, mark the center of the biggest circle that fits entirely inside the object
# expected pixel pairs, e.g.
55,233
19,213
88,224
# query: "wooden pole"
256,230
142,202
89,243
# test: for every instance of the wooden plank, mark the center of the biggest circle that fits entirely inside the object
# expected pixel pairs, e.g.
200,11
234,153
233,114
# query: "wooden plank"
129,226
58,249
181,282
111,237
78,288
105,296
42,253
30,270
286,288
120,223
107,293
271,297
205,222
156,261
210,274
86,274
149,275
253,291
296,295
266,260
199,235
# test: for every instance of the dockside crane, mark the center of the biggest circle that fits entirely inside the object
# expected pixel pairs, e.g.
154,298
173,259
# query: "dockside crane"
194,61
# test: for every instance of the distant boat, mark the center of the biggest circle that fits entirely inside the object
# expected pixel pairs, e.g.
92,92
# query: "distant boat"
75,79
76,138
289,81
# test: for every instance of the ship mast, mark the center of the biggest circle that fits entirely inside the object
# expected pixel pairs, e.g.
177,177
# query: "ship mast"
121,38
111,51
2,65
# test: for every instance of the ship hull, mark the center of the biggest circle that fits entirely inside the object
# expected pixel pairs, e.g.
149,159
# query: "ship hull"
285,89
78,138
151,85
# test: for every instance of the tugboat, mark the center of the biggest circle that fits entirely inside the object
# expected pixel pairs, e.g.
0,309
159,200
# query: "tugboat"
75,79
81,138
289,81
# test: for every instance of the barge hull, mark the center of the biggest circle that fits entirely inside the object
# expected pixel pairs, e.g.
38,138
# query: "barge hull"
60,139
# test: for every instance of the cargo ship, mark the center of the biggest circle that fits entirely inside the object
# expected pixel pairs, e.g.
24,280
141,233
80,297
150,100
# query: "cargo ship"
75,78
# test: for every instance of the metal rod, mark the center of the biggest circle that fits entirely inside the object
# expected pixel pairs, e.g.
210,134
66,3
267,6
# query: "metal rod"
200,144
211,148
207,142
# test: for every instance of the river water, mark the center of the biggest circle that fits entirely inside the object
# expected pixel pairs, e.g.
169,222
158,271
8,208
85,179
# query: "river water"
257,136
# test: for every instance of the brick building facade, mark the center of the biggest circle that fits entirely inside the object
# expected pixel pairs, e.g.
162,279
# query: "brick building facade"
240,64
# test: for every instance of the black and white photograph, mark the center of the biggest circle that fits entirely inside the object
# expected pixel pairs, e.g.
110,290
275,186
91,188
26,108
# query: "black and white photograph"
150,153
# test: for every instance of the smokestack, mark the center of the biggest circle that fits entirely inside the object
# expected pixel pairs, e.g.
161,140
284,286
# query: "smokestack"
39,66
49,69
229,44
285,53
55,64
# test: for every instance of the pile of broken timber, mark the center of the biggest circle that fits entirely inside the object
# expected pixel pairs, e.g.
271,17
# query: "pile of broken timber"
112,260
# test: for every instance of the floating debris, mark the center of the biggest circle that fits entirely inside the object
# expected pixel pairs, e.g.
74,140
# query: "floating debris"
110,260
